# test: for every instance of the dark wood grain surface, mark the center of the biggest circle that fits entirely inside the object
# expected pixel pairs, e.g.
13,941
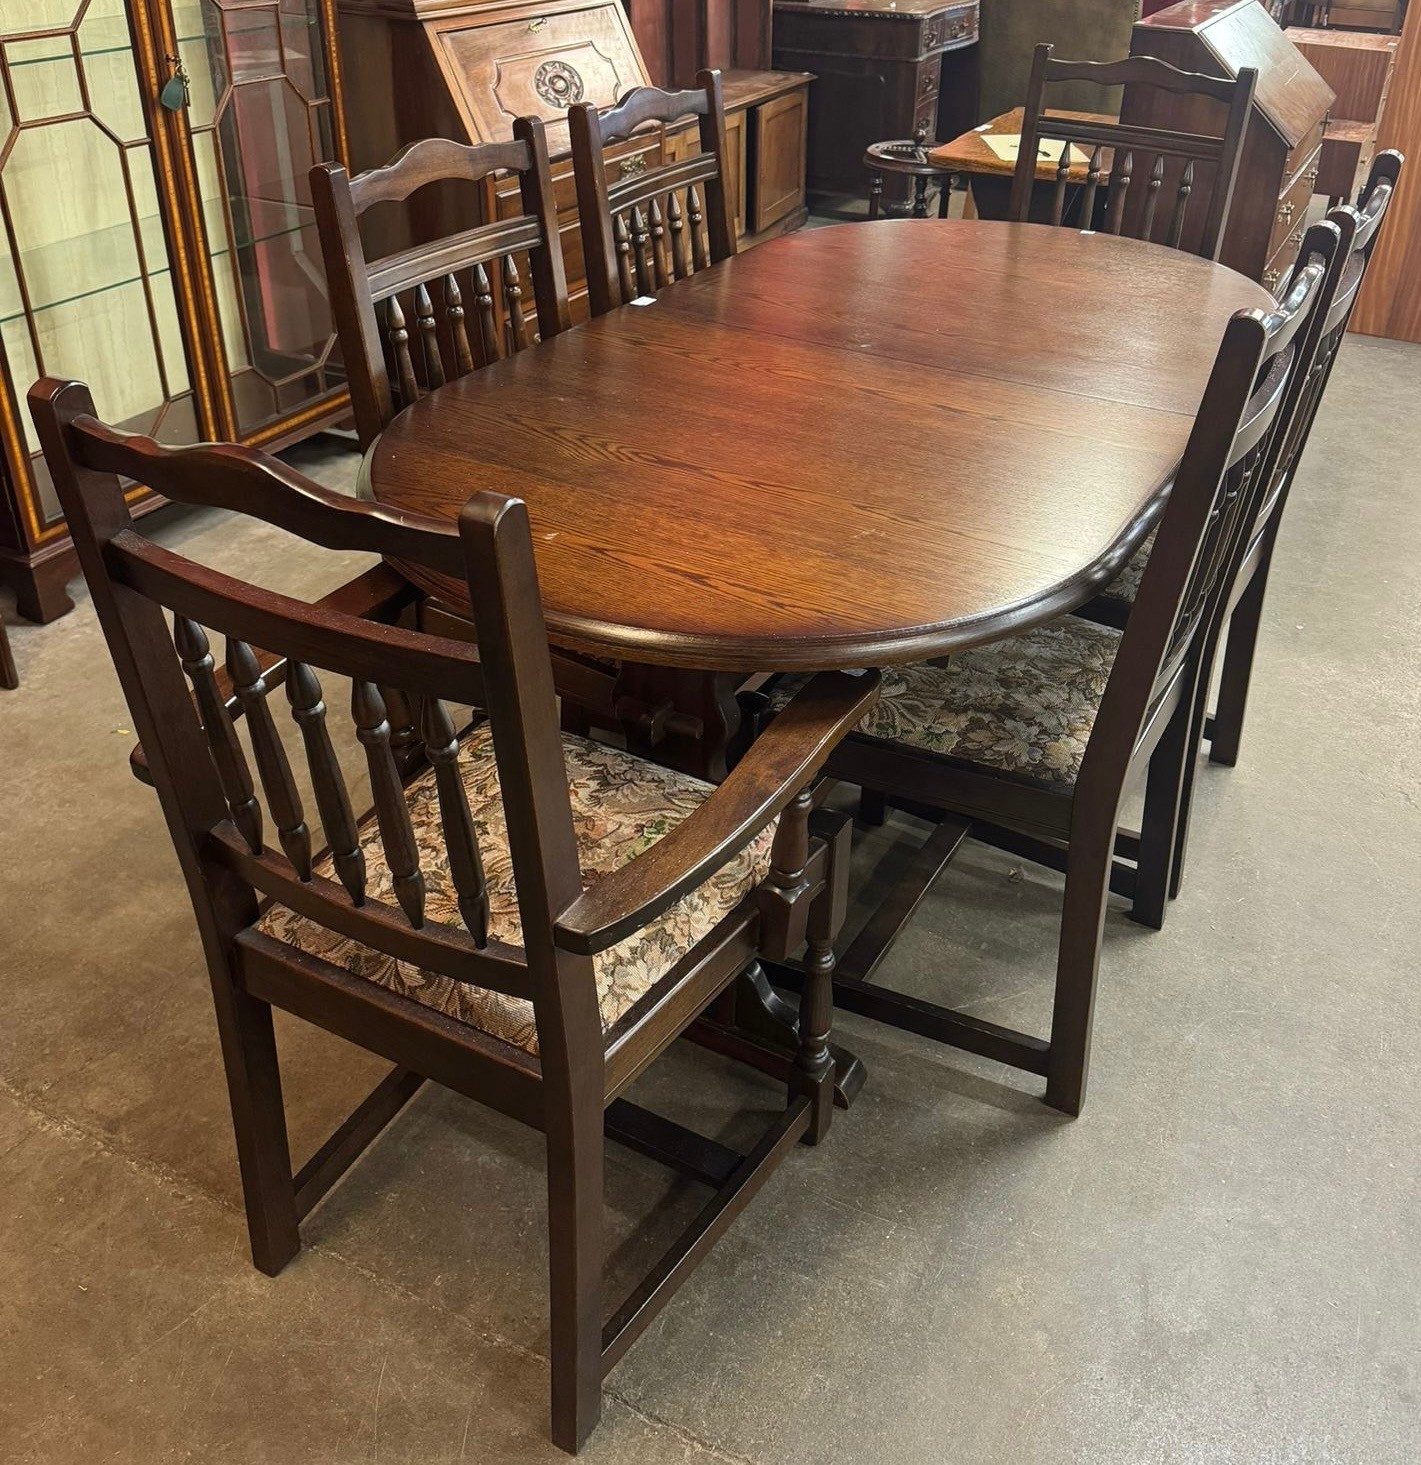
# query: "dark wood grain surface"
854,446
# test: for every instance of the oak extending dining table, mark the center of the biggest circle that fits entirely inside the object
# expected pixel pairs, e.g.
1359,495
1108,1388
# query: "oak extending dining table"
853,446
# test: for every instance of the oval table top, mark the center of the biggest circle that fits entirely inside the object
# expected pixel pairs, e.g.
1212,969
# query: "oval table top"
852,446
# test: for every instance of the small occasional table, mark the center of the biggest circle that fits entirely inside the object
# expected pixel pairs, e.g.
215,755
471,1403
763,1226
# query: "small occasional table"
989,176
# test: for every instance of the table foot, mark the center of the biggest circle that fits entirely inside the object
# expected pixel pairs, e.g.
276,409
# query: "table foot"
762,1031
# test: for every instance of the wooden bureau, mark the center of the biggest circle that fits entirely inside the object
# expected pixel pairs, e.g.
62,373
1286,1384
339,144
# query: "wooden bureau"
885,69
452,68
1358,67
1283,146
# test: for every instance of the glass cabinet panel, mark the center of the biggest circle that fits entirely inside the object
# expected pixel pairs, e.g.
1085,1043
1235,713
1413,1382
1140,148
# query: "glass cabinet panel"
86,278
260,116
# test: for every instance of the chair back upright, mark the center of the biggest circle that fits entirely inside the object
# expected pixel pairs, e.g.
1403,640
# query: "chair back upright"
651,228
1360,228
1132,170
219,811
412,320
1218,491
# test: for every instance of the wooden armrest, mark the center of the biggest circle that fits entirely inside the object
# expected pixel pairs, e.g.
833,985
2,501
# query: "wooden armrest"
781,762
379,594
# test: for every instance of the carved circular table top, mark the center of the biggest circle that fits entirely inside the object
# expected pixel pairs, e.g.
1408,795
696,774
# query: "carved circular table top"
851,446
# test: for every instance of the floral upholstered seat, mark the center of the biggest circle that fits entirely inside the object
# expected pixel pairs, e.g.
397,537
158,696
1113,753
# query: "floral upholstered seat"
1126,585
621,806
1024,706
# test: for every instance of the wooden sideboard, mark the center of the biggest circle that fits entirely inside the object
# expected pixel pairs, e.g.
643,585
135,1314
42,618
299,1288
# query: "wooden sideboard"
885,69
431,68
1358,67
1283,145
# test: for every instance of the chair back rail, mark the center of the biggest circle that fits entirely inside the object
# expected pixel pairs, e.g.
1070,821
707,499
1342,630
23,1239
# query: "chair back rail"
410,321
1202,537
1360,229
649,230
234,806
1137,167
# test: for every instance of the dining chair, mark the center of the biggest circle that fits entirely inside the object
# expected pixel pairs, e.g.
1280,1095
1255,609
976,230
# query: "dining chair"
663,224
1129,166
1033,743
530,920
1358,231
1361,228
399,338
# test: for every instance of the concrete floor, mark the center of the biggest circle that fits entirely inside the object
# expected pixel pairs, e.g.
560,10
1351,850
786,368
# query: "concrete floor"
1218,1262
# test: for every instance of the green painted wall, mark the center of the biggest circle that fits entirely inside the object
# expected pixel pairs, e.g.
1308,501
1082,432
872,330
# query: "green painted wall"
1080,30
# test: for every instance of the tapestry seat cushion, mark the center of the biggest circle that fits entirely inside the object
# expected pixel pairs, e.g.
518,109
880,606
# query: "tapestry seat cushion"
1023,706
621,806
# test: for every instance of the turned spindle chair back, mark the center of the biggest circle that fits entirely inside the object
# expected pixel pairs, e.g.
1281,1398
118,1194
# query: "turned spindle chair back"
242,829
413,320
1152,184
649,229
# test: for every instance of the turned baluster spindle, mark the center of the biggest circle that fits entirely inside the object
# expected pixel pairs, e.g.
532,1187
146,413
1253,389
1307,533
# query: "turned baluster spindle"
231,762
273,766
680,258
303,692
641,252
429,337
513,299
661,270
460,837
1063,176
391,812
621,236
1092,187
1119,191
458,327
1152,190
1181,203
700,249
399,338
483,304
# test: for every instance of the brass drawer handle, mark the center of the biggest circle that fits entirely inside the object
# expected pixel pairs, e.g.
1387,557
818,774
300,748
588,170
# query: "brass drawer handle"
1271,278
1312,176
634,166
1296,237
1286,212
539,24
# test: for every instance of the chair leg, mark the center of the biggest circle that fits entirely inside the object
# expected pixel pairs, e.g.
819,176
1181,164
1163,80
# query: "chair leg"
1167,786
875,195
944,196
1077,967
814,1062
9,674
1237,670
259,1125
575,1243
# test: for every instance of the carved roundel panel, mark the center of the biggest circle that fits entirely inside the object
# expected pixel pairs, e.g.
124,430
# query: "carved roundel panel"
558,84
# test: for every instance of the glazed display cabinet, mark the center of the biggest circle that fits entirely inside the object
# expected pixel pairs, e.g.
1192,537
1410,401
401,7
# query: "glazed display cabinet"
158,240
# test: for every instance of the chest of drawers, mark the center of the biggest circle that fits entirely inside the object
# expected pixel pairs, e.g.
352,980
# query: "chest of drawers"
885,70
